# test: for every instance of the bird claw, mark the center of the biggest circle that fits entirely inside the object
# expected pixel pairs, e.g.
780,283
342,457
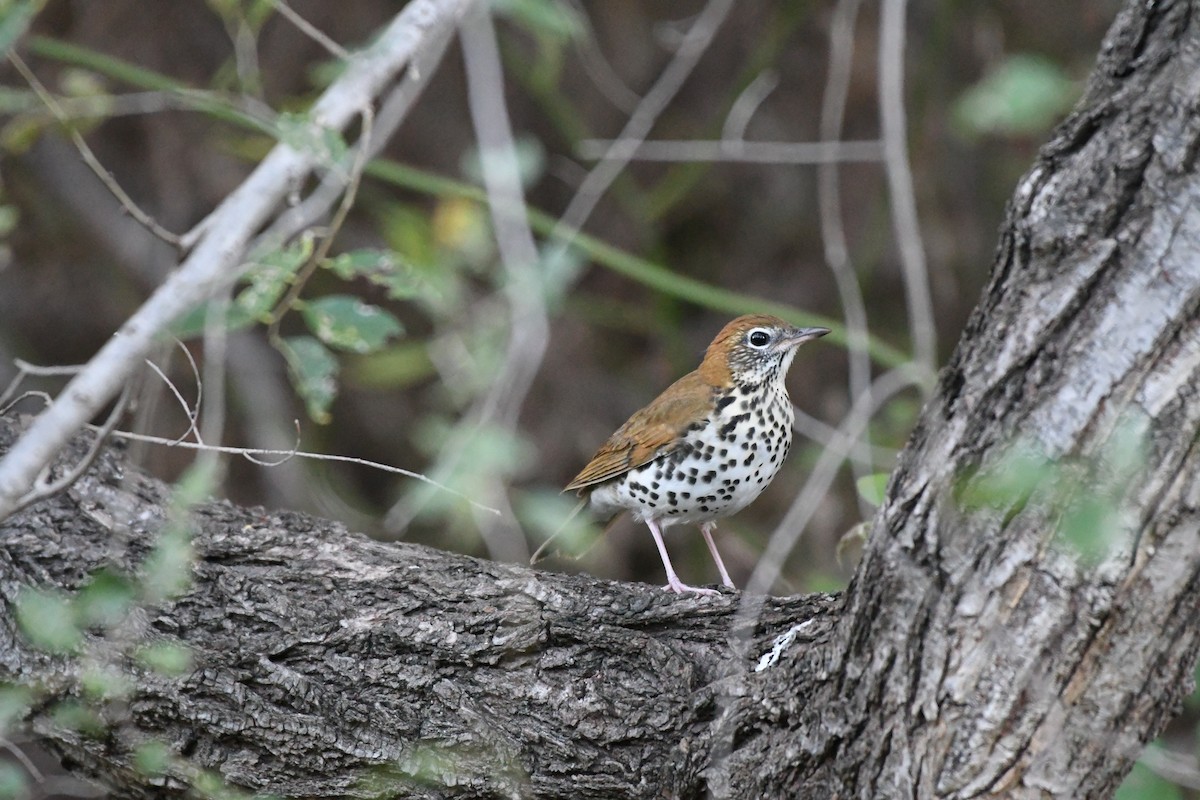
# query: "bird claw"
679,587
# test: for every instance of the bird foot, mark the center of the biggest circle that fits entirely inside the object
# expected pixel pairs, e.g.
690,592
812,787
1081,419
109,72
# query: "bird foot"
679,587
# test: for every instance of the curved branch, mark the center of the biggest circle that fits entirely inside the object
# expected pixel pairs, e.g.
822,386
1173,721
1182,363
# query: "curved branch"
215,260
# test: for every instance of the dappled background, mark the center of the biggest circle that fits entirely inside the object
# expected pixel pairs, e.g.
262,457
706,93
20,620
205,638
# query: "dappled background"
141,81
178,101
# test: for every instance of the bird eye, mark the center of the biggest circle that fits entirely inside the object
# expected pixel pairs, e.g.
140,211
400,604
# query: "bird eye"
758,338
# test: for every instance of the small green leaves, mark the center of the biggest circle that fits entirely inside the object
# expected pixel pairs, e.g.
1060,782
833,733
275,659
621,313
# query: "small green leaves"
13,783
381,267
543,17
313,371
47,620
76,716
151,758
298,132
1008,482
347,323
167,571
165,658
14,704
15,16
1025,94
105,683
105,599
270,277
1080,499
872,487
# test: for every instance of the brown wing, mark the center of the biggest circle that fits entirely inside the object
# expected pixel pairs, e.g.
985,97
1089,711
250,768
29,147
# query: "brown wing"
652,432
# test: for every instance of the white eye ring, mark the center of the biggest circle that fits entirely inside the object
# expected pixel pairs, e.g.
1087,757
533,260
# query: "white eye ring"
758,338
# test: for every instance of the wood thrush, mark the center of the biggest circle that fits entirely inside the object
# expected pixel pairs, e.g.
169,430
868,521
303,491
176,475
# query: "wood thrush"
708,445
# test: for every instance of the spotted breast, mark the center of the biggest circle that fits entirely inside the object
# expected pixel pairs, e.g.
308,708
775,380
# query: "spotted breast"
708,445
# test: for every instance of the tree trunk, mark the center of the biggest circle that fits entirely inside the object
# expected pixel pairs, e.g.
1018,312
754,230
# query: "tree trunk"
1021,624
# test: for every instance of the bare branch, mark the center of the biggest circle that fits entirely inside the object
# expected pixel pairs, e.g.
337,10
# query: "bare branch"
222,245
88,156
732,151
900,183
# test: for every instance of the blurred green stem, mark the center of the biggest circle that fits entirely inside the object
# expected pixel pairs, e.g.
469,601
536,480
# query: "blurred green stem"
645,272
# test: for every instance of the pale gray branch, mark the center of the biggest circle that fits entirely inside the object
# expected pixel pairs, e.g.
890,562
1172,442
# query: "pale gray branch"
222,246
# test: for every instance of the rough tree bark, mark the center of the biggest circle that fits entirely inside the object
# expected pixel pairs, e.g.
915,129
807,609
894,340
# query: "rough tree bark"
976,654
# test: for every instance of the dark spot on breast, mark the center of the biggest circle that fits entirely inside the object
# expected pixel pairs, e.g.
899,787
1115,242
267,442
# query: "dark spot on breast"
724,402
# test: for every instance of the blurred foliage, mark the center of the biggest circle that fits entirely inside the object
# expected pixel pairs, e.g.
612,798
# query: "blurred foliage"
1022,96
390,327
1143,784
1082,497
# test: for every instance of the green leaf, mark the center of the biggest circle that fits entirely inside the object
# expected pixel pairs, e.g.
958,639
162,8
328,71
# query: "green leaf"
105,683
1090,527
313,371
298,132
271,276
553,515
105,600
14,703
165,658
1143,784
346,322
529,154
13,783
1018,472
46,619
873,487
15,16
192,324
546,17
167,571
394,367
9,215
76,716
1024,95
381,267
151,758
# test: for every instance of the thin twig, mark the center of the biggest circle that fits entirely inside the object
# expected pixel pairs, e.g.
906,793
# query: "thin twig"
220,252
745,106
321,251
900,185
699,36
393,112
310,30
1179,768
528,325
669,150
287,455
833,234
598,68
40,493
88,156
191,411
16,752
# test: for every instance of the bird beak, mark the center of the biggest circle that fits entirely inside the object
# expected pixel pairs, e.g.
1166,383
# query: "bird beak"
798,336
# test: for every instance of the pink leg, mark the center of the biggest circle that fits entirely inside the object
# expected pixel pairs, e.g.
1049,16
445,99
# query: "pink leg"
707,528
673,582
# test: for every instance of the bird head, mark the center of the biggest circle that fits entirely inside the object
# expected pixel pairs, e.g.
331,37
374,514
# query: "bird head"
753,349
